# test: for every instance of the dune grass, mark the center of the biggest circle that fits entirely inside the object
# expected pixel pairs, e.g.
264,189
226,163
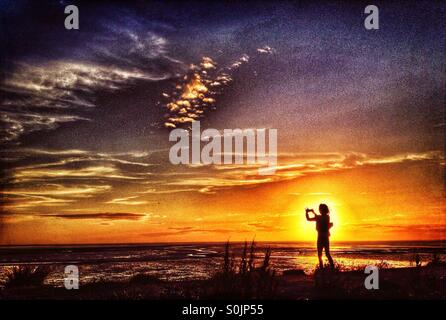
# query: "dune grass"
22,276
247,277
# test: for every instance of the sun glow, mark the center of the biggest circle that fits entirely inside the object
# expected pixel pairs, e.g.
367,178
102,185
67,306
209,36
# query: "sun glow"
307,230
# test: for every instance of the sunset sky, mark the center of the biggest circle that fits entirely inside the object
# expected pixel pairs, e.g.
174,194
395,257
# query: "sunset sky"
85,117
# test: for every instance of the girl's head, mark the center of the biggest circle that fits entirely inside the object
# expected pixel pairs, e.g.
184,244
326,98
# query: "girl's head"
323,209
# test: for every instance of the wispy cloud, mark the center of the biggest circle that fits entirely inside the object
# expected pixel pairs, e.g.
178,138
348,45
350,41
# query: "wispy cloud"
266,227
89,172
129,201
47,195
292,166
184,230
43,95
76,191
39,164
14,124
99,216
17,202
437,229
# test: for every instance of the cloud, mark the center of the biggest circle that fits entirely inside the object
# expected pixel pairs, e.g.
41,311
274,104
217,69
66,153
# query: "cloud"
177,231
74,191
209,179
131,45
14,124
167,191
60,177
266,227
17,202
197,91
127,201
44,177
266,49
21,153
98,216
47,195
99,171
419,229
43,95
27,165
430,155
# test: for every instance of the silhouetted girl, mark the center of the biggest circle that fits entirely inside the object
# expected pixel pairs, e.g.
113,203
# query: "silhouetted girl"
323,226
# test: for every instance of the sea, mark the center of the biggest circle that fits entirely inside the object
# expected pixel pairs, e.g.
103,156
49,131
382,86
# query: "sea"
190,261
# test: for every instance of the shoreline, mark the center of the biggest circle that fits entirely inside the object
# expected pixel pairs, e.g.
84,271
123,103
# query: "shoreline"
175,243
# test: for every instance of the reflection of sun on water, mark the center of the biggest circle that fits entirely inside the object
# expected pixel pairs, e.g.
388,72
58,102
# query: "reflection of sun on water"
309,263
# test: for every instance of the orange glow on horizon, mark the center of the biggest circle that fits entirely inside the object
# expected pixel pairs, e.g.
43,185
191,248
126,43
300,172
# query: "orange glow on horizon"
378,202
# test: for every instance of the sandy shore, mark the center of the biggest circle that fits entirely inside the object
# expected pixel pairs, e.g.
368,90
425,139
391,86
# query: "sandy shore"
402,283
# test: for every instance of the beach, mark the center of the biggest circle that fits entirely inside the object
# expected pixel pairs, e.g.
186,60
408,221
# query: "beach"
402,283
201,271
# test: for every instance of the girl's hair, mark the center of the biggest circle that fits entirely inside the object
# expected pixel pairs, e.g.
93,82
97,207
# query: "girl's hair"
323,209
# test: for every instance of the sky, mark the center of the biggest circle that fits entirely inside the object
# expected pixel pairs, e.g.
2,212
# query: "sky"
85,117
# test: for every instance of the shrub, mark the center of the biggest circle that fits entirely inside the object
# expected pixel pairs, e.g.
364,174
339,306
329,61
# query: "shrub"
144,278
22,276
246,282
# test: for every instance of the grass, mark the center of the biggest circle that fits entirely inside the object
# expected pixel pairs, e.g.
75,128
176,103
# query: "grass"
436,261
242,278
331,283
247,274
22,276
340,267
144,279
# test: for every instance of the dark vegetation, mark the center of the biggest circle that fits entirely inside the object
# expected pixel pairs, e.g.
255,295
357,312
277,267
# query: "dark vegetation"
247,274
22,276
244,278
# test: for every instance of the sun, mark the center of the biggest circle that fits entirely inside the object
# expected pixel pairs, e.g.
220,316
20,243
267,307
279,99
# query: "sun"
306,231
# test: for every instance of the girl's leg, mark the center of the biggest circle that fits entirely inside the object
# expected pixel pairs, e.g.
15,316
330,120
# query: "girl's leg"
327,253
319,255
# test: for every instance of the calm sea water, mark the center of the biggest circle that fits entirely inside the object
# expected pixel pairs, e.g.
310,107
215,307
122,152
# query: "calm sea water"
200,261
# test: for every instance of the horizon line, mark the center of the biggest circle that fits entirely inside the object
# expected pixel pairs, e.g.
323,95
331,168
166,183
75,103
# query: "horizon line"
206,242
